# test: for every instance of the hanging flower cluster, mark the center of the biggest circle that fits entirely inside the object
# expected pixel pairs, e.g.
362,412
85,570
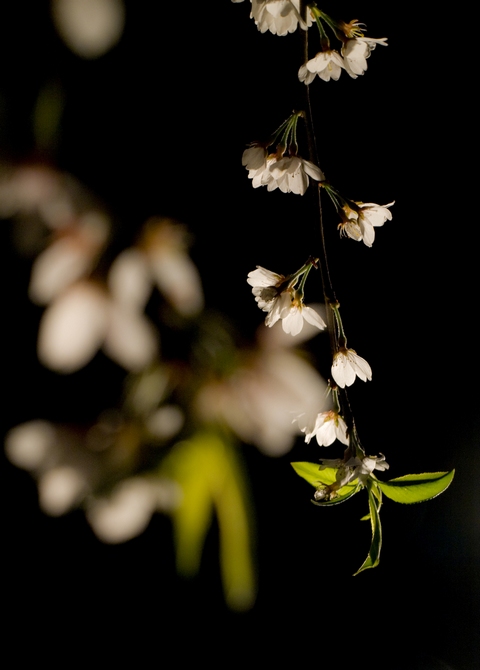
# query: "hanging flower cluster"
283,168
280,17
280,297
352,57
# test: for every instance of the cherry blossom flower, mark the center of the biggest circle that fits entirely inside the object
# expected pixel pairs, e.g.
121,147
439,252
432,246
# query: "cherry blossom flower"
365,466
356,51
281,302
259,399
347,365
360,223
278,16
328,427
326,64
288,173
83,319
371,216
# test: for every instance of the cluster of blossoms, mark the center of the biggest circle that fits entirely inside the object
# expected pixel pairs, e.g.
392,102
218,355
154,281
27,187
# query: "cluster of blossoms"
280,17
329,63
288,173
283,168
277,295
354,469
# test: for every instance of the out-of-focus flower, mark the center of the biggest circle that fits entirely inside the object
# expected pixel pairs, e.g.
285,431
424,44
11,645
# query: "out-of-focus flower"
328,427
288,173
29,445
347,365
279,16
127,511
70,257
326,64
61,489
83,319
89,28
260,398
70,465
356,51
165,245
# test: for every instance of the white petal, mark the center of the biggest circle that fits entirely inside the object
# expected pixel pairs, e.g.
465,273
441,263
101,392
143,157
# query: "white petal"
28,445
62,263
362,368
131,340
89,27
293,322
178,279
125,514
73,327
313,171
313,318
60,489
129,279
263,277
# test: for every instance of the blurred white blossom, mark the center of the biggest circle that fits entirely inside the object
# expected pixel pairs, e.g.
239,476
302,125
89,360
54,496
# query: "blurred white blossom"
89,28
172,270
259,400
127,511
69,257
85,318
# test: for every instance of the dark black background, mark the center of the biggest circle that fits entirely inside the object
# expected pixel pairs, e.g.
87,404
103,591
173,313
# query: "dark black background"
157,127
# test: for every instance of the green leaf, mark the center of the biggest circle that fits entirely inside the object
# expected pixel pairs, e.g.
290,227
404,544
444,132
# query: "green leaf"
211,477
373,558
313,475
411,489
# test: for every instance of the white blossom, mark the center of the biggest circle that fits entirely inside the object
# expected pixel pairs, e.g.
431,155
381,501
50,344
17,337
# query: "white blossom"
260,398
365,466
281,302
128,510
347,365
288,173
359,223
356,51
328,427
326,64
83,319
279,16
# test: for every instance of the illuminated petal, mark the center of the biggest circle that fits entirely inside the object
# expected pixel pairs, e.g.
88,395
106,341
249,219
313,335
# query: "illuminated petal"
89,27
73,327
131,340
